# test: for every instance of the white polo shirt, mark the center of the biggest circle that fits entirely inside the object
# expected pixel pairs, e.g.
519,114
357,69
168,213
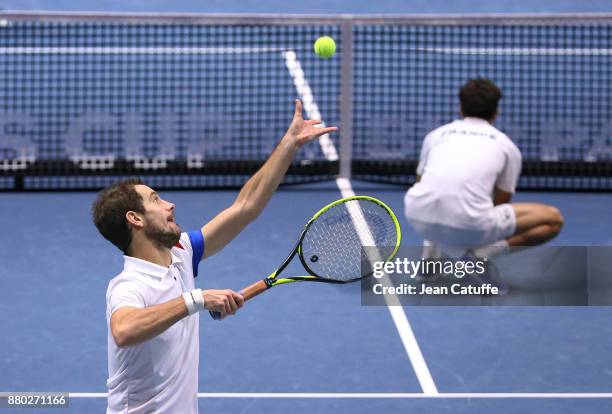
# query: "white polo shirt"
460,165
161,374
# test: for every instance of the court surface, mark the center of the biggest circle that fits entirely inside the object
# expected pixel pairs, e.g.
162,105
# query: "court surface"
309,348
314,343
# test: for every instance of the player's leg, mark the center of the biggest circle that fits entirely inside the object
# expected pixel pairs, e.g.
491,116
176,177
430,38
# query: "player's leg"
535,224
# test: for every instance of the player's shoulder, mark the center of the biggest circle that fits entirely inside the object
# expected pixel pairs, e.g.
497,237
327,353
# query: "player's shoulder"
183,245
127,279
507,142
444,128
435,135
190,244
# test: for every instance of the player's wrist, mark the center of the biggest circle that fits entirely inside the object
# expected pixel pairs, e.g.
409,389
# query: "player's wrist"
194,300
291,142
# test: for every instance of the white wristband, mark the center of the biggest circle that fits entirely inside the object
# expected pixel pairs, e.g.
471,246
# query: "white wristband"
190,303
199,299
194,301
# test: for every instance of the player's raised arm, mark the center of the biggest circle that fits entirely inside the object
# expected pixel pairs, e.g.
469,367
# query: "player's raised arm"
256,193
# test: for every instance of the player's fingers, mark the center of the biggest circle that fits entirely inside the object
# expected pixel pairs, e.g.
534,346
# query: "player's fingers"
232,303
226,305
313,121
239,299
220,310
298,108
322,131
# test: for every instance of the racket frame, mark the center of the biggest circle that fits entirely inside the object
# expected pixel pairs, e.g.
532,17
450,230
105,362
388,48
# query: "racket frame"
313,277
272,280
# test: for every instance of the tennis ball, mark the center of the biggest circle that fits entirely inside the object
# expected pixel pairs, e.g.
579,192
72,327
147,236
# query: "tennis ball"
325,47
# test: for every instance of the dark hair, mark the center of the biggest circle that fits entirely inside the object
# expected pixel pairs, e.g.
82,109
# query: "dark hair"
479,98
110,208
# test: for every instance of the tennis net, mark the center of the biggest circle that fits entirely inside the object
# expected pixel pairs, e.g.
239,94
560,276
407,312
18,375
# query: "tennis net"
195,101
187,102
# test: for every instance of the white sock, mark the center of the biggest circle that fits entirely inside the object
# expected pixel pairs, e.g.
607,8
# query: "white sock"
491,250
430,250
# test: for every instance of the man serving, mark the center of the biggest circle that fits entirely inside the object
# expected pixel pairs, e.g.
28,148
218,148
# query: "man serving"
152,305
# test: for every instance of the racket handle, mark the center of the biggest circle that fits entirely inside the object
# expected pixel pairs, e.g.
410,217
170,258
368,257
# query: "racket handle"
248,293
255,289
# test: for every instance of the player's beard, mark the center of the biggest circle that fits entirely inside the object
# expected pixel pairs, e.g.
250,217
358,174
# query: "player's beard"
163,237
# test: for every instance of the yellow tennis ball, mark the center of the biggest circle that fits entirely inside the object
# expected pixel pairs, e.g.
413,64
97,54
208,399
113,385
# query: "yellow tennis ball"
325,47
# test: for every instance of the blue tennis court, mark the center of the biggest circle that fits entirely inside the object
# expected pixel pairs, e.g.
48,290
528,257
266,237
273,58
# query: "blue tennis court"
201,103
314,343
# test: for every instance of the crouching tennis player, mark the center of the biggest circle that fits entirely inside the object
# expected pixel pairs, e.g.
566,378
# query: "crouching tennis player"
466,176
152,305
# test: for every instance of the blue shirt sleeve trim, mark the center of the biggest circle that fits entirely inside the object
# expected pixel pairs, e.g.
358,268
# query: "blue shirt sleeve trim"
196,238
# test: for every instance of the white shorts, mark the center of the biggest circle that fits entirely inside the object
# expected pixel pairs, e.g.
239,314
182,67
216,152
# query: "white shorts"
497,224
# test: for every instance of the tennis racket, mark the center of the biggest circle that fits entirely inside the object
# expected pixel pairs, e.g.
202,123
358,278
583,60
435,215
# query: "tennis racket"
330,245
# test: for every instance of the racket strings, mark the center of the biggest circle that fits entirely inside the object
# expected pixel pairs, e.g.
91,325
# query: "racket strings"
332,246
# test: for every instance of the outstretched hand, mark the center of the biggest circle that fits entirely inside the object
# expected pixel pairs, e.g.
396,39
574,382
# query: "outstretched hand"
305,130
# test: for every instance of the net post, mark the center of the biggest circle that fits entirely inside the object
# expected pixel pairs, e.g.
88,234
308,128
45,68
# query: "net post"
346,98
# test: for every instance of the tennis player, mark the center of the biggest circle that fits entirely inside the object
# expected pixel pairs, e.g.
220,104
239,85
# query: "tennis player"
466,176
152,305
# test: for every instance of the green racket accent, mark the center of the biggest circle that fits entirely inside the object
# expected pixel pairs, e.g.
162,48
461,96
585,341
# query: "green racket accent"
281,281
285,280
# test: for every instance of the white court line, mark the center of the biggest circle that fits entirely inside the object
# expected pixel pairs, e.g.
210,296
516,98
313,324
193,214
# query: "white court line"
111,50
509,51
395,309
389,395
310,106
401,323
